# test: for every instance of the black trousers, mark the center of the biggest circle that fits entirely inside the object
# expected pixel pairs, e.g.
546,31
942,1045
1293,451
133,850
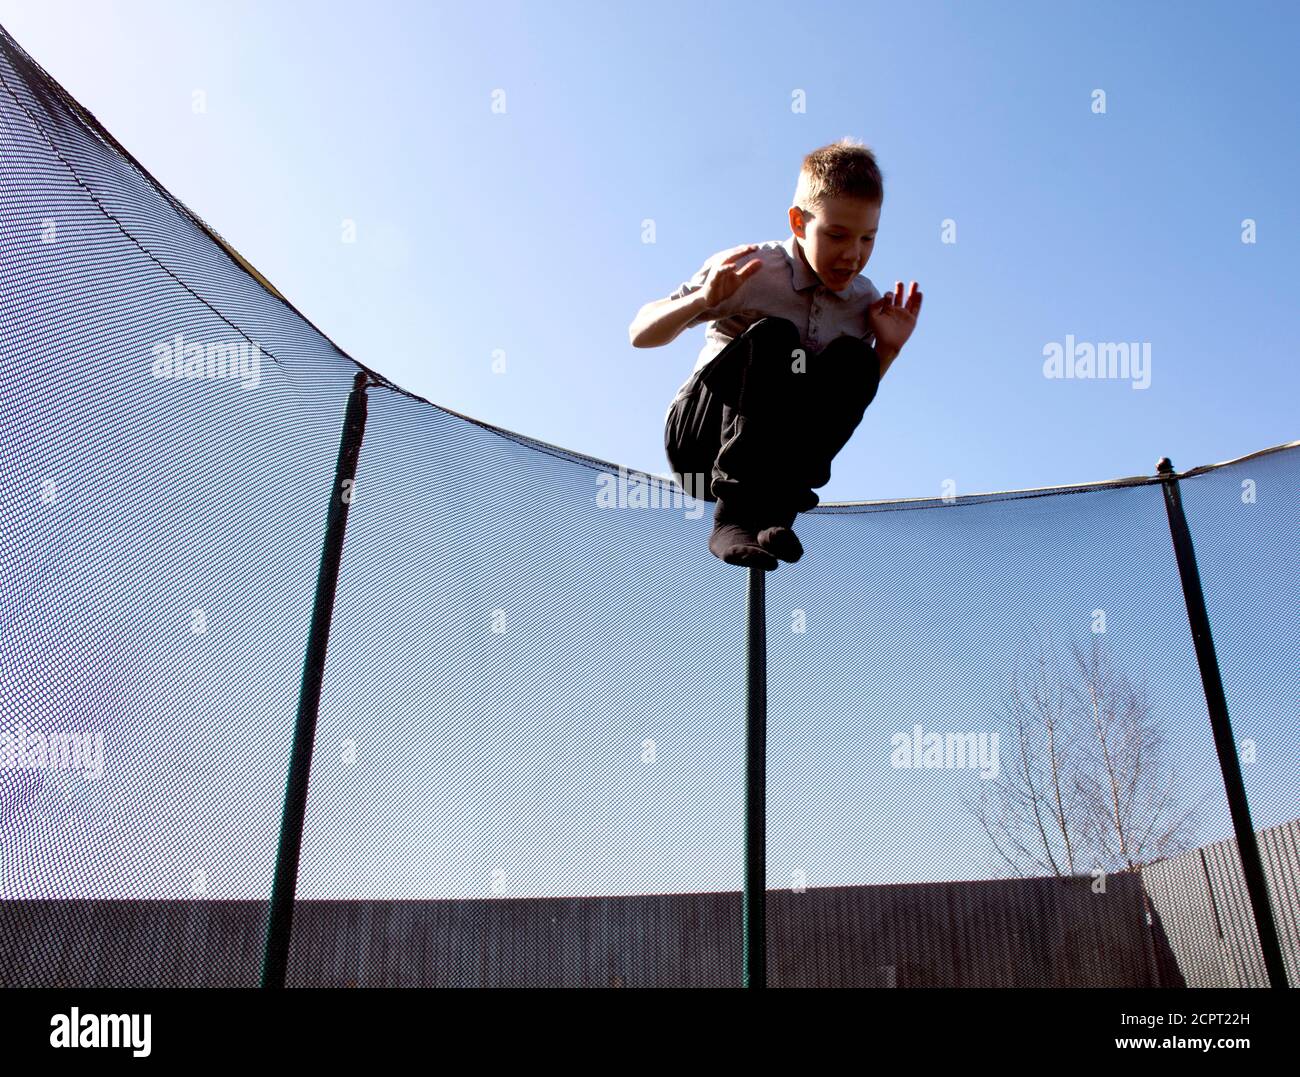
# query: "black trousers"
761,432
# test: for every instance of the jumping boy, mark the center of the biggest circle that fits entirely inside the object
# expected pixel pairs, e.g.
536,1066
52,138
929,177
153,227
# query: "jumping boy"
789,365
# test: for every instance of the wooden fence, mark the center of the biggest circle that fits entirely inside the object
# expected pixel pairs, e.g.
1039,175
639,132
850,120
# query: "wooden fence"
1196,931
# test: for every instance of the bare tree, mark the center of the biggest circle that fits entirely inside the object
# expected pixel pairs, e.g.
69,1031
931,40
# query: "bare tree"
1086,786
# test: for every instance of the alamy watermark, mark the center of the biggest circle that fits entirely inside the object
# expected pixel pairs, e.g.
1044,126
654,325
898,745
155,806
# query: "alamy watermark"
58,750
230,360
628,490
1101,360
77,1029
949,751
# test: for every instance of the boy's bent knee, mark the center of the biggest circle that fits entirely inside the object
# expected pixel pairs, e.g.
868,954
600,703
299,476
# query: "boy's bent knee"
776,328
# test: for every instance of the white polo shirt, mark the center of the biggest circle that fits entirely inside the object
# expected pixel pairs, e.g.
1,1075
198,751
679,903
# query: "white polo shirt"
786,287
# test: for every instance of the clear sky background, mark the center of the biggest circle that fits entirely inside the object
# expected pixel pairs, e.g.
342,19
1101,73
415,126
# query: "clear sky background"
523,232
479,234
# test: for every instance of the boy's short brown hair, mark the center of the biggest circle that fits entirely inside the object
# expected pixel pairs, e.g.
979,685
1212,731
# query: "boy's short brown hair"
846,168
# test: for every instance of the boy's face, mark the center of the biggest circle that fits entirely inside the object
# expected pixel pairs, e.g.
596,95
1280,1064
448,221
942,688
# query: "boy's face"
838,241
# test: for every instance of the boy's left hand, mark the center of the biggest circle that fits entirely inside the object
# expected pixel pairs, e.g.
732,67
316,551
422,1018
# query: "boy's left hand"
892,320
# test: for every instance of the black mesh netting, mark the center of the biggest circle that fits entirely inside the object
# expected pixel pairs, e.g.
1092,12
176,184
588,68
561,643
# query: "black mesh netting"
528,764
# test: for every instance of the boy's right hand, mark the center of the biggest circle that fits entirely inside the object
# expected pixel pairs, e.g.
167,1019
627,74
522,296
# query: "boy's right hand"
725,278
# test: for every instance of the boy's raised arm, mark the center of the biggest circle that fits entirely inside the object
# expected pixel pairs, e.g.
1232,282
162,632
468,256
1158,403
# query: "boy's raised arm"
698,299
660,320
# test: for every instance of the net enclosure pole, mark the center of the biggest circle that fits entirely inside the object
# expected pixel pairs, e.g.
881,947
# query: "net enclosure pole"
754,898
280,928
1224,742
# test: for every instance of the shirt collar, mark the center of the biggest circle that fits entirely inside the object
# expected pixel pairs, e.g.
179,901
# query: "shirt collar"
802,274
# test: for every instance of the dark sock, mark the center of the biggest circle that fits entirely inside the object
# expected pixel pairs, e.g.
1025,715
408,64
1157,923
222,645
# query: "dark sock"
776,536
781,542
734,541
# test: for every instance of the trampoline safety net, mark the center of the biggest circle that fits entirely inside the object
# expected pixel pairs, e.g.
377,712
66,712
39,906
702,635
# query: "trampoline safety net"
990,752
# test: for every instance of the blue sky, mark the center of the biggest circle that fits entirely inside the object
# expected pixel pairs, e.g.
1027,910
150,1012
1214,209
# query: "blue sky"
522,232
479,234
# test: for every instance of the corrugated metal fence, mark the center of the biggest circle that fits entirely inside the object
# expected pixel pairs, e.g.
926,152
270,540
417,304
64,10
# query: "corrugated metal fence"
1202,921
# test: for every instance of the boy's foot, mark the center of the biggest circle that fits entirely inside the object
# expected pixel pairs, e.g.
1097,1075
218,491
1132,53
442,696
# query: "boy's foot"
734,541
781,542
777,538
